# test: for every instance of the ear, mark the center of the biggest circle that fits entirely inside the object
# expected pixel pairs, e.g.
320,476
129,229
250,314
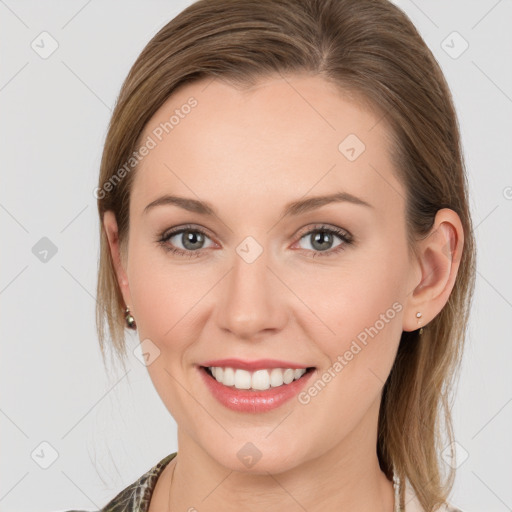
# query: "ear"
438,259
110,225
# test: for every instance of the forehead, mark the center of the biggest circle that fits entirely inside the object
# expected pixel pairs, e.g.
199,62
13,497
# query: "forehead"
281,137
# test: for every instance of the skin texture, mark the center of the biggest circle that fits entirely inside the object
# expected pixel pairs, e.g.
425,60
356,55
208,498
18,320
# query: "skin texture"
249,153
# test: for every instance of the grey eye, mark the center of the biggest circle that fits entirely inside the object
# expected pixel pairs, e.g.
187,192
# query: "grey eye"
321,240
190,239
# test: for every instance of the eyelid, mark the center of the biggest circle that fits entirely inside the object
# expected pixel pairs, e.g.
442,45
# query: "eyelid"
325,227
185,227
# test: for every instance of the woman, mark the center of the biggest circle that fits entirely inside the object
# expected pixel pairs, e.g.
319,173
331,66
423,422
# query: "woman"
284,220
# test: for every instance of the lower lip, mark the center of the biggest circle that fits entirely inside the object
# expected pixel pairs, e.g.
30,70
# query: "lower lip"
243,400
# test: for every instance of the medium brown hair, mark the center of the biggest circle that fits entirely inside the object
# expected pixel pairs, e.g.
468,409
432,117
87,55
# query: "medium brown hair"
372,50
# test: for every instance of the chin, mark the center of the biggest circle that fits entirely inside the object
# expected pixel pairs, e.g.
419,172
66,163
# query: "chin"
257,458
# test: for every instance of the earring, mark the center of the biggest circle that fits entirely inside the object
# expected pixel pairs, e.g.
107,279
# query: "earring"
130,321
419,315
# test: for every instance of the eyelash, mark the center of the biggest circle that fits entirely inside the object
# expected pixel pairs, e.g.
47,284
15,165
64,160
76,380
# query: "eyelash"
345,237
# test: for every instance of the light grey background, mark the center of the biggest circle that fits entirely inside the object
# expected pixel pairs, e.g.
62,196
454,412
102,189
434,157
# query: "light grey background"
110,428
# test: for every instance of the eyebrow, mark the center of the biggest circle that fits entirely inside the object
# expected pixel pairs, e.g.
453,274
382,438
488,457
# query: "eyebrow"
293,208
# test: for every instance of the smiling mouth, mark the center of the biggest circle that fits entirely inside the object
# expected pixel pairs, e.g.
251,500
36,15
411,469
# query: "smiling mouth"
259,380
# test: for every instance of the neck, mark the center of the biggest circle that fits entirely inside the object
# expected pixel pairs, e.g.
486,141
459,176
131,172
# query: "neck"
346,476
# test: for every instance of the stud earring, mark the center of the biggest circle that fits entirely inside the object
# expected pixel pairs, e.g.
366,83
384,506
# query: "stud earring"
130,321
419,315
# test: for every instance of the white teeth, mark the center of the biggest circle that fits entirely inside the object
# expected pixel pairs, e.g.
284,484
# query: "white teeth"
258,380
228,378
276,377
298,373
242,379
288,375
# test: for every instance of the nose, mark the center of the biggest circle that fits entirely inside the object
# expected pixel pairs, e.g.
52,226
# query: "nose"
252,300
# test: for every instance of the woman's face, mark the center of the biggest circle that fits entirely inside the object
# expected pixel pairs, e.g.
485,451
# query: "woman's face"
261,283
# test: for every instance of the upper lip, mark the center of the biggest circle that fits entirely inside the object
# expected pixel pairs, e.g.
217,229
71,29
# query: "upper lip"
259,364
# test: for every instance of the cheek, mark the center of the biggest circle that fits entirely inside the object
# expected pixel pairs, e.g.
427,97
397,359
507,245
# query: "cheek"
360,309
363,308
167,299
164,295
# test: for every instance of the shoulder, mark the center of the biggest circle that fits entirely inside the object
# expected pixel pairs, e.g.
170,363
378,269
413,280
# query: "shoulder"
413,504
450,508
136,497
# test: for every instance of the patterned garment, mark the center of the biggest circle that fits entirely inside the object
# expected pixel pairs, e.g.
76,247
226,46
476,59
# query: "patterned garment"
136,497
